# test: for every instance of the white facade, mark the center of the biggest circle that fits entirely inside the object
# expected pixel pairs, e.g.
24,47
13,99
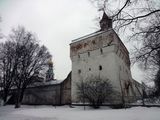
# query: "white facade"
101,54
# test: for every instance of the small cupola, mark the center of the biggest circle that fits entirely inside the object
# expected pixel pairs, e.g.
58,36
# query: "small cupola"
50,73
105,22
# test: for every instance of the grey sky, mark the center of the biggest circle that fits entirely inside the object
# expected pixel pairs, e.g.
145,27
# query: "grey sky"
56,23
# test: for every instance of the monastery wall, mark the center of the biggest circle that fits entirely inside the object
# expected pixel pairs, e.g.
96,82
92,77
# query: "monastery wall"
42,95
54,94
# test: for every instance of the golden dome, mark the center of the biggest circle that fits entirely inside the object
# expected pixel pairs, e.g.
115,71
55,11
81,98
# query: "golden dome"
50,61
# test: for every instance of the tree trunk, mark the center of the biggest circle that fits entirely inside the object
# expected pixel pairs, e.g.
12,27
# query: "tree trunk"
5,95
19,97
22,94
17,101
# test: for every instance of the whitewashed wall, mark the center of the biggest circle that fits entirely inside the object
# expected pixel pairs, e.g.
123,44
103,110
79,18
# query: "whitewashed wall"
106,50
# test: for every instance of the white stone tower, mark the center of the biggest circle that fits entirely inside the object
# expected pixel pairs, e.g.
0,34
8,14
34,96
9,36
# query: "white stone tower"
101,54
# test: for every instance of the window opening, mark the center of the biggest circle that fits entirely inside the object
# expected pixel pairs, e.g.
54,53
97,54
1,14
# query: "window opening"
79,71
101,51
88,54
100,67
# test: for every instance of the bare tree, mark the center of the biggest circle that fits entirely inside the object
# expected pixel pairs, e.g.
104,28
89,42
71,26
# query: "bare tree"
7,69
0,29
126,13
157,84
141,21
141,17
29,60
94,90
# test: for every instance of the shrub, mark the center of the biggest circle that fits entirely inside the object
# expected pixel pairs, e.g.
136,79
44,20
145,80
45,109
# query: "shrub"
94,90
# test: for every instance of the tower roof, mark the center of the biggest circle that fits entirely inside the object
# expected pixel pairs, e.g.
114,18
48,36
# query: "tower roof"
105,22
104,17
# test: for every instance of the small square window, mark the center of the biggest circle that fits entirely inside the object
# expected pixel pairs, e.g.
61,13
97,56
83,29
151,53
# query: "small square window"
88,54
89,69
100,67
101,50
79,71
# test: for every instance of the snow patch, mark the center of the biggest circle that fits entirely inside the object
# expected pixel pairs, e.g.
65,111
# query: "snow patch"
77,113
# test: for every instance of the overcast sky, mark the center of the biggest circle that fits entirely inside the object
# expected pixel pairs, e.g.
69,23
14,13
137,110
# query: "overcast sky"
56,23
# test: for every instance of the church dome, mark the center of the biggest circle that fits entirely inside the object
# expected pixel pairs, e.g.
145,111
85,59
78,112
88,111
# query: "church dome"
50,61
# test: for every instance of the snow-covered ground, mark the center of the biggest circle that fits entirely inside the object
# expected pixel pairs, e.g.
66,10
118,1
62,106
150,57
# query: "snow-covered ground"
77,113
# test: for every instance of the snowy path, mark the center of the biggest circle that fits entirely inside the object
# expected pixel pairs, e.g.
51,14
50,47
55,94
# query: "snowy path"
66,113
